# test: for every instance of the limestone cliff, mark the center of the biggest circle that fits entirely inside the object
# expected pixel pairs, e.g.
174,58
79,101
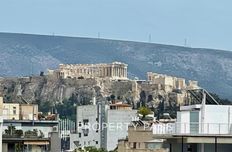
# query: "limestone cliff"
39,89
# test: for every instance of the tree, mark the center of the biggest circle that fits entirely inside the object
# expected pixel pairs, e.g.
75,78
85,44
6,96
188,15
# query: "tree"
92,149
144,111
66,109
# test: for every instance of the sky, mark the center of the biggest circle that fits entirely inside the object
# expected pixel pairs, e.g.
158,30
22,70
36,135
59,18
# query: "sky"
194,23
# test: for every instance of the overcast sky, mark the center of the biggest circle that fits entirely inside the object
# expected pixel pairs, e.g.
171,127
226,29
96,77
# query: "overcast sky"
204,23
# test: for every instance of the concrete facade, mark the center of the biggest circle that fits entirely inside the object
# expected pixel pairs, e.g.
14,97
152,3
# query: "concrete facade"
207,119
11,111
101,125
18,111
140,139
118,121
199,128
86,117
28,112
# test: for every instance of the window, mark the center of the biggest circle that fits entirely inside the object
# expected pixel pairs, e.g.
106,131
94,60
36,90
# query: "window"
14,110
79,135
96,142
85,132
112,107
79,124
85,121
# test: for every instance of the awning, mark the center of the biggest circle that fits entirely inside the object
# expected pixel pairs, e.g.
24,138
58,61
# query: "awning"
36,143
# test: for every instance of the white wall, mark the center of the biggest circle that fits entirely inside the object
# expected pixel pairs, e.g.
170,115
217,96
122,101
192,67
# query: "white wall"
183,120
217,119
118,121
89,112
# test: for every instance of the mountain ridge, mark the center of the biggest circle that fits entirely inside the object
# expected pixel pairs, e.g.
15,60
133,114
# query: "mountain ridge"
26,54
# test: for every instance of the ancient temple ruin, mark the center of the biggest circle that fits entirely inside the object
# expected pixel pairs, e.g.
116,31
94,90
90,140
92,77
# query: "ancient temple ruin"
114,70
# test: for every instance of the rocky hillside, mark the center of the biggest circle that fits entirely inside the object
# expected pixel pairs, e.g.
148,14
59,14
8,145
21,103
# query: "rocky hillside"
23,54
49,88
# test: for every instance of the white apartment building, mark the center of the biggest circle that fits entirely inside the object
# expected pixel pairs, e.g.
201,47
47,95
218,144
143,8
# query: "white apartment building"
199,128
101,125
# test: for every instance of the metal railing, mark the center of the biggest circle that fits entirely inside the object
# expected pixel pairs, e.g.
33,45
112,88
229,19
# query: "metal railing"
193,128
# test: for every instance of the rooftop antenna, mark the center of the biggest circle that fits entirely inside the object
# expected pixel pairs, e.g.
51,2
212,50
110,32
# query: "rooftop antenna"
185,42
31,68
149,38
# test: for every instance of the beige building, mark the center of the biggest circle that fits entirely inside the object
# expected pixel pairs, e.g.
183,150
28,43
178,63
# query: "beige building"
11,111
140,139
115,70
28,111
16,111
168,83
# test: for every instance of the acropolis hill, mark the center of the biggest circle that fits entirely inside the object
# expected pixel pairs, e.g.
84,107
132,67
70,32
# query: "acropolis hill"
82,84
27,54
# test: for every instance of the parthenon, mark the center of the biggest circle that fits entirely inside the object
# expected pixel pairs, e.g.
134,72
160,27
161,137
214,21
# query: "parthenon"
114,70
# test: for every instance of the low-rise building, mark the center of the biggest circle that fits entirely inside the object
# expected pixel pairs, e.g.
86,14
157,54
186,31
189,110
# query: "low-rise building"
30,135
28,111
10,111
199,128
141,139
87,117
23,131
16,111
101,125
118,118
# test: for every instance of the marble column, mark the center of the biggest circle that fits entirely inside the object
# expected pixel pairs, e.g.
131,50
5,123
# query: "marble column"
102,71
125,72
120,71
112,74
105,71
115,68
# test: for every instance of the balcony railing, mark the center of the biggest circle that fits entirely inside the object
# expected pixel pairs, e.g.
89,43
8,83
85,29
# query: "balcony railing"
193,128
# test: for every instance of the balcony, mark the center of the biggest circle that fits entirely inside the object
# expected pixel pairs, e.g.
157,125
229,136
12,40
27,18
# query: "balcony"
192,129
